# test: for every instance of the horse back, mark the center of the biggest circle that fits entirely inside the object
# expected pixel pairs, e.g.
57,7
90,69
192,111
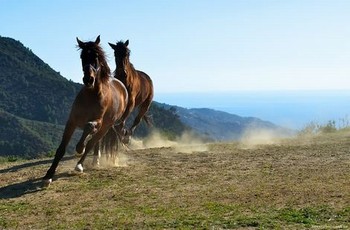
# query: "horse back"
145,86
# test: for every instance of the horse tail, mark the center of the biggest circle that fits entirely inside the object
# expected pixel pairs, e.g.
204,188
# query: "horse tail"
110,143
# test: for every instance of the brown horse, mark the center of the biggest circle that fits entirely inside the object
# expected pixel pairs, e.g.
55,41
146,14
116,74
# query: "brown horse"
138,84
99,105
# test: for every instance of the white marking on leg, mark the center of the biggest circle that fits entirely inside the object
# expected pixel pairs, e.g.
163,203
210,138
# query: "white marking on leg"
47,182
79,168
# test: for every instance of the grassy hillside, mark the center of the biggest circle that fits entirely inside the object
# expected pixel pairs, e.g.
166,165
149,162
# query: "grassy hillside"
292,184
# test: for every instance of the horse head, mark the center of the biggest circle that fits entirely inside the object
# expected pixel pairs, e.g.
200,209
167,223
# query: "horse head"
121,52
90,61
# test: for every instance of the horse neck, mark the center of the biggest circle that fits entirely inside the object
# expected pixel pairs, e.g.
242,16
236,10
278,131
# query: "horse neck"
126,73
120,74
100,84
105,71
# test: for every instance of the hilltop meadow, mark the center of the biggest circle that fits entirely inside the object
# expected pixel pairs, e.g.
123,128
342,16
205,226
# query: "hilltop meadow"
256,183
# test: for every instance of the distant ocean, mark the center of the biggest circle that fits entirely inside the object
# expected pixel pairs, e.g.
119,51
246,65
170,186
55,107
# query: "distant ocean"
292,109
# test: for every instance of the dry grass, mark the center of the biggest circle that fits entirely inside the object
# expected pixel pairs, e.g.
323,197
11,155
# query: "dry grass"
294,184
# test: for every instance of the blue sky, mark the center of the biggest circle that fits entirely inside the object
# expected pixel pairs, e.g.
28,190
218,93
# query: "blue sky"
196,46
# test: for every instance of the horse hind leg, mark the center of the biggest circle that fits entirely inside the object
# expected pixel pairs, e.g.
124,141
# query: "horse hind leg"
97,154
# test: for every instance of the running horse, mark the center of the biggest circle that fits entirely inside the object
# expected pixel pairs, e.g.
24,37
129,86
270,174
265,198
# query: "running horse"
98,106
138,84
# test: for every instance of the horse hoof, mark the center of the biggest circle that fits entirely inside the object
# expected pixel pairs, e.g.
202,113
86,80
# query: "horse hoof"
126,140
46,182
79,168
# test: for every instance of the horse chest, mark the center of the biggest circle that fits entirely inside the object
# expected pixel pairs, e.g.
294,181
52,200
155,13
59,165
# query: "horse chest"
88,105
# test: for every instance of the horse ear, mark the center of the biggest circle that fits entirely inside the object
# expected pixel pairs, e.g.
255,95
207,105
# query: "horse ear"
126,43
80,43
97,40
112,45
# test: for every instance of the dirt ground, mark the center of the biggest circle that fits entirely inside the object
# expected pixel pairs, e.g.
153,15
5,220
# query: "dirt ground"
285,184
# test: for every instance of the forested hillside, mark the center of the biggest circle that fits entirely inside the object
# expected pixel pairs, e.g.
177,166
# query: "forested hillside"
29,88
27,138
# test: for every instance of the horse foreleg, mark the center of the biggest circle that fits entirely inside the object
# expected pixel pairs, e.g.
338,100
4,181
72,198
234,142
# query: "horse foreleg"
68,132
89,129
142,112
89,146
121,126
121,130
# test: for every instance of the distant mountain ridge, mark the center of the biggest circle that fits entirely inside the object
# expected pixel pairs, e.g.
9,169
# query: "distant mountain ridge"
223,126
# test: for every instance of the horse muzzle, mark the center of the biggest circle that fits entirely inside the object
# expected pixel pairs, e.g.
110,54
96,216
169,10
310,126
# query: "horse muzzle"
90,75
89,81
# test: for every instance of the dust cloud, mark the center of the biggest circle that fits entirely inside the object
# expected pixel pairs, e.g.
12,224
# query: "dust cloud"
120,160
186,143
154,140
253,137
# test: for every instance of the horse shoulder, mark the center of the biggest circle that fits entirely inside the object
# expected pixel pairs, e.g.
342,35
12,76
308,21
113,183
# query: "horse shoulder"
119,87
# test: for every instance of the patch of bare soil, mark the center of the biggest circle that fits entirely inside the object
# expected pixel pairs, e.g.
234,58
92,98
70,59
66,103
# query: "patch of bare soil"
224,185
